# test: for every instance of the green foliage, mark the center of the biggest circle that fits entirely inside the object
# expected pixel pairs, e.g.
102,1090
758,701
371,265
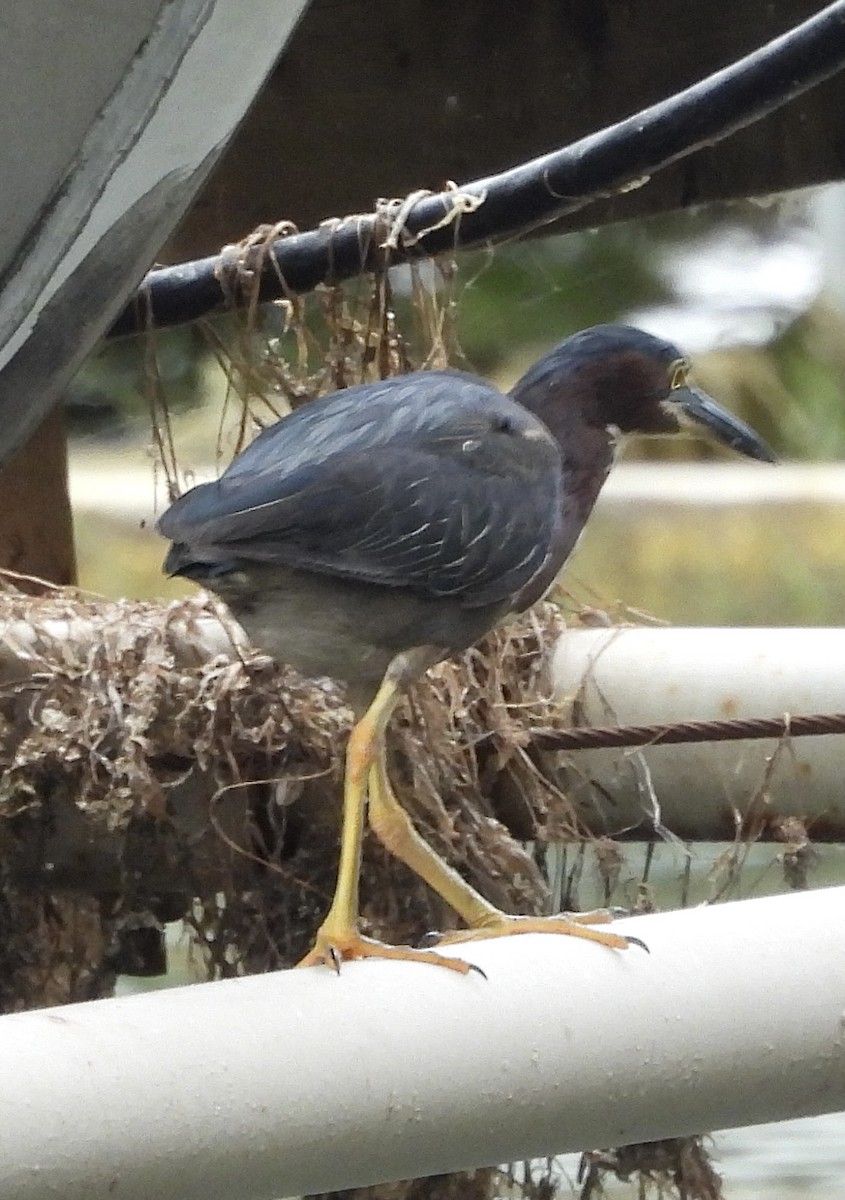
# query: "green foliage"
111,392
810,359
517,298
757,564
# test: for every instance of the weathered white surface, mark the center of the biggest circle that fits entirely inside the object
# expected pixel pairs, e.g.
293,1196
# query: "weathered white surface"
644,676
60,65
112,122
303,1081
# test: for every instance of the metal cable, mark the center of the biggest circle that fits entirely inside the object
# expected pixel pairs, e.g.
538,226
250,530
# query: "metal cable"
604,737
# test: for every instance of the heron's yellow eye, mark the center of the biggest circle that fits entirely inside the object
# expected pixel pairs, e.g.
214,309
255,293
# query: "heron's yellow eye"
678,373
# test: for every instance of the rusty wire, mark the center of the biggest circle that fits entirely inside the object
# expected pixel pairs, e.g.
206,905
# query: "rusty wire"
605,737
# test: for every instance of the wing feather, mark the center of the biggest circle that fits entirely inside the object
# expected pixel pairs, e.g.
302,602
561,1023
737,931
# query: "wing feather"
386,495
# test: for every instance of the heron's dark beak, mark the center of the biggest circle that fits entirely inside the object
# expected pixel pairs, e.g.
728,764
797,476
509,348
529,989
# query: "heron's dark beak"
724,426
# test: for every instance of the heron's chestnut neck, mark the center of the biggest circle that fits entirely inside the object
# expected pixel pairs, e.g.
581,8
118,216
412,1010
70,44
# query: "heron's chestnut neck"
586,446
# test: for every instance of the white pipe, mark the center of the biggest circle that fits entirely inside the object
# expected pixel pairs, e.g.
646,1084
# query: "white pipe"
115,481
305,1082
643,676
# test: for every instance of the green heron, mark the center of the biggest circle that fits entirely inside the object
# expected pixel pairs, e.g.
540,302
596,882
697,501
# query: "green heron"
380,529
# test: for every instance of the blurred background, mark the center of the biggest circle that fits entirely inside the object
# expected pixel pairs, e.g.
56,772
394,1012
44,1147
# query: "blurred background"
753,292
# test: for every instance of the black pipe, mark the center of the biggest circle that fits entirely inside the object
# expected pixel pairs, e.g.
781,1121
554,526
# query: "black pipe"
620,157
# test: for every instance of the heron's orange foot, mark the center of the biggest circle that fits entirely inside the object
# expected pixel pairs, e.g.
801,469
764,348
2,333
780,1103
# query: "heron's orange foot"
578,925
335,947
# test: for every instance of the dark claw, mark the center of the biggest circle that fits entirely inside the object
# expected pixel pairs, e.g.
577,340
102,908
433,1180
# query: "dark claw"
616,910
430,939
336,959
635,941
433,938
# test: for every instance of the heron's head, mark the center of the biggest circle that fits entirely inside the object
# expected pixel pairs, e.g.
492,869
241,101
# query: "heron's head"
625,381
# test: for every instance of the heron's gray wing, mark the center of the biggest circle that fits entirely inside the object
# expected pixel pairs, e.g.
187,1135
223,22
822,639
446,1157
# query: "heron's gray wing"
405,518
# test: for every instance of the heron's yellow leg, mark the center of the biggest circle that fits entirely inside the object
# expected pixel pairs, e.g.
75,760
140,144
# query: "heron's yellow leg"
339,938
393,827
